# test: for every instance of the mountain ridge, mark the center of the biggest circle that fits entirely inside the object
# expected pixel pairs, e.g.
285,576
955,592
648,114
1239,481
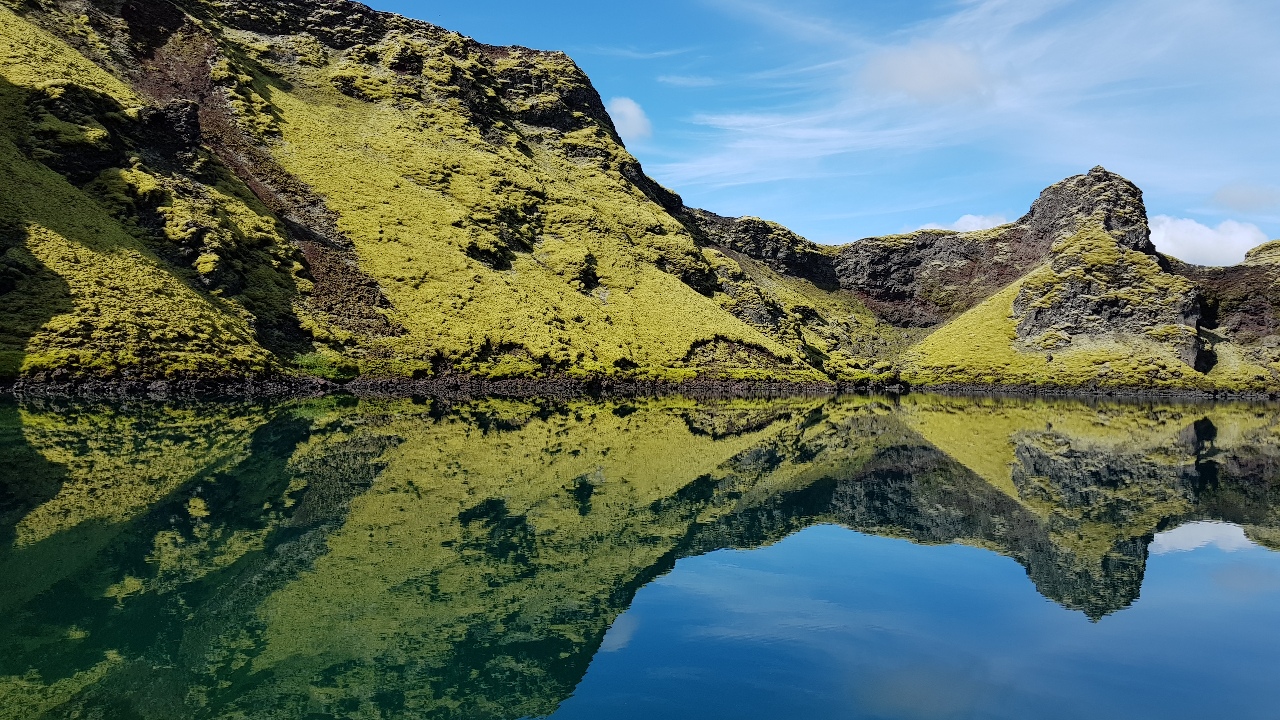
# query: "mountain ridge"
323,190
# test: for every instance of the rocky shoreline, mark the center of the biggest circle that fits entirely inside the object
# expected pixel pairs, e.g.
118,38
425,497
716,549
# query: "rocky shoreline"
450,387
1119,393
465,387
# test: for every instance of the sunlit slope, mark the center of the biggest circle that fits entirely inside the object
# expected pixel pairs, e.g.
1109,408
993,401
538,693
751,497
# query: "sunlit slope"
1015,339
504,246
88,286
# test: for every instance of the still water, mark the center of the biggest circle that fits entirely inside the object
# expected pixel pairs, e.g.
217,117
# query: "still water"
857,557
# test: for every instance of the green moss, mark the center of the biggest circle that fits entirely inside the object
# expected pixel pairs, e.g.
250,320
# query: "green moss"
94,297
501,258
981,347
832,330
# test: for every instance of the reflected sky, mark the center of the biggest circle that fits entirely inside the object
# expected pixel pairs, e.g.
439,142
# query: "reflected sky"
831,623
853,557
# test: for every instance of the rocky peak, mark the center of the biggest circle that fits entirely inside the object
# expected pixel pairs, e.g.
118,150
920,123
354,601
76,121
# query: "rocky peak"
1099,195
338,23
925,278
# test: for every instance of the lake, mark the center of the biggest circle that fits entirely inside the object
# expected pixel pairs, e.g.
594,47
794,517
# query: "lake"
853,557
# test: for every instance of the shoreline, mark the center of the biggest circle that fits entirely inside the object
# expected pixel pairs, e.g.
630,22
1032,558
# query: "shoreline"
464,387
451,387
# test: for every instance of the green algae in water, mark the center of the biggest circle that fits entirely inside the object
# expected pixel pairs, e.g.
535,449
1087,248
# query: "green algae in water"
383,559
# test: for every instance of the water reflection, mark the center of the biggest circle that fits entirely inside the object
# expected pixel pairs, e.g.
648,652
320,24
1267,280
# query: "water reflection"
343,558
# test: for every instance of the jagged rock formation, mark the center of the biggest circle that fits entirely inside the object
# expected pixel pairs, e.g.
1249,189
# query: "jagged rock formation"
316,188
1105,276
930,276
777,247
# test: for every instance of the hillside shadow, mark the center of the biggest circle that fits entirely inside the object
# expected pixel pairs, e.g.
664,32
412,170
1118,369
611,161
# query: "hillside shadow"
167,139
29,479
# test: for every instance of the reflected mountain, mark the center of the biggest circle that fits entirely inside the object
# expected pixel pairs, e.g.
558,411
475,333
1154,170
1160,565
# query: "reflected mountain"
378,559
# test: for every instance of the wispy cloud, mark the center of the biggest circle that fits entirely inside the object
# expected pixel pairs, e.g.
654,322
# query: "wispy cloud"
1248,198
1142,86
633,54
787,20
929,72
687,81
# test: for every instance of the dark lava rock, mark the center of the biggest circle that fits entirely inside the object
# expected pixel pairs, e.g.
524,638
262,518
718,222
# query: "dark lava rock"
1101,195
770,243
336,23
925,278
928,277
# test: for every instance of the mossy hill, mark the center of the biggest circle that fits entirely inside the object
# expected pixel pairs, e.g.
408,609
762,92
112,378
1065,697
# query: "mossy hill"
345,558
217,190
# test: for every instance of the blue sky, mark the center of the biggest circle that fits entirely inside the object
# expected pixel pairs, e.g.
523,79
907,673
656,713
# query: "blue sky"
845,120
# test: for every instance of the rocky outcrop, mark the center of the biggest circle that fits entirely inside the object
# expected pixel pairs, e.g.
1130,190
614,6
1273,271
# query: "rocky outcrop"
1099,197
925,278
337,23
772,244
1104,277
1095,287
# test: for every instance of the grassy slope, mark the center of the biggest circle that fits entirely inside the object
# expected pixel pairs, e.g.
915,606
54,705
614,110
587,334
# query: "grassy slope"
94,298
981,348
420,188
832,330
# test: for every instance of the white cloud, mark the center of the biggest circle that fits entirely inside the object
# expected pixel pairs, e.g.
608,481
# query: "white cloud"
630,119
969,223
1198,244
1224,536
689,81
1145,86
928,72
1246,198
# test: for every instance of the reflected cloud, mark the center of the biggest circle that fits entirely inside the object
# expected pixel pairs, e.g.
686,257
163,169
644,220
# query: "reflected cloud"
1224,536
923,692
619,636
